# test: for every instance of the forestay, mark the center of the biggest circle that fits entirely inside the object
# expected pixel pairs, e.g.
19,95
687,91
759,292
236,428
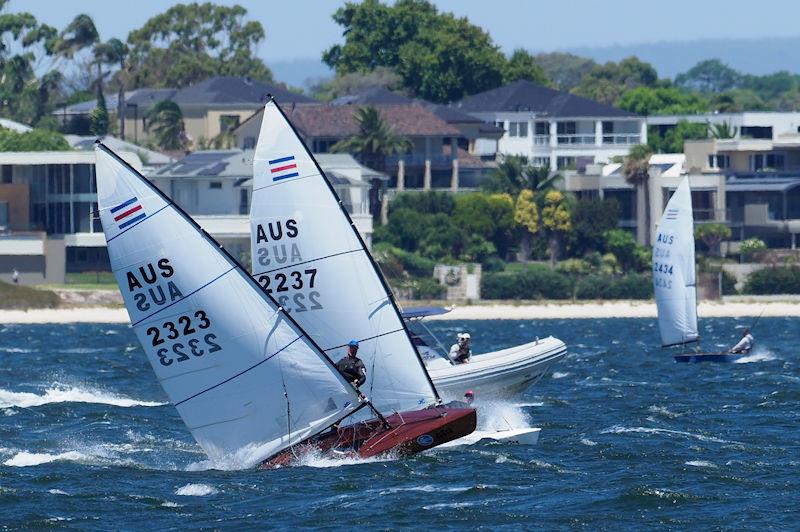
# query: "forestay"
674,270
306,253
221,349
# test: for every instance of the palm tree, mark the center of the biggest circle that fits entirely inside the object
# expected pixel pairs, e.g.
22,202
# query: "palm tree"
165,121
723,131
114,52
375,140
636,170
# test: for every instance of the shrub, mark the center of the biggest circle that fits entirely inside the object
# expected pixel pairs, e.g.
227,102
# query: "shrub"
728,283
427,288
631,286
533,282
24,297
493,264
776,280
751,246
395,262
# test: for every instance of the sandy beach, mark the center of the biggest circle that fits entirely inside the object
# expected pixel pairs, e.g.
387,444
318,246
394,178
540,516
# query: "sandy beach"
730,307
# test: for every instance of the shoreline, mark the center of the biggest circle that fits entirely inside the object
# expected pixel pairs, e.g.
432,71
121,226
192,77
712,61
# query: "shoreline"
740,307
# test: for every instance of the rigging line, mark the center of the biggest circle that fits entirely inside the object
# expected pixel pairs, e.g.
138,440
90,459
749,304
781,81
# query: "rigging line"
364,339
295,264
273,355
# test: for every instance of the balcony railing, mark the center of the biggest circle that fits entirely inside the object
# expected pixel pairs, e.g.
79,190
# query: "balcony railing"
541,140
418,159
622,139
575,139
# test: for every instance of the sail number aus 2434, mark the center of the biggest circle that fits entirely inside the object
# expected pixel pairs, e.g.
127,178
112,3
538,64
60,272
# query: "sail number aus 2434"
183,327
660,267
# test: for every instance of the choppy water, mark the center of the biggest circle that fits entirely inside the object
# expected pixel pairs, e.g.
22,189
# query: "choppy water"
629,439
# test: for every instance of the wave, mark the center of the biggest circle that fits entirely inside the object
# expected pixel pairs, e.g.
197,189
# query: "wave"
196,490
700,463
559,375
650,430
763,356
26,459
63,394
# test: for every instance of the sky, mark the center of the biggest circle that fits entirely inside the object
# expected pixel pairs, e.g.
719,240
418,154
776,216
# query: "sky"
302,29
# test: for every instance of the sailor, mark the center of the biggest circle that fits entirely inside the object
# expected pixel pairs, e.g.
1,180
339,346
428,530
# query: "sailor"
15,276
469,397
745,344
351,366
460,352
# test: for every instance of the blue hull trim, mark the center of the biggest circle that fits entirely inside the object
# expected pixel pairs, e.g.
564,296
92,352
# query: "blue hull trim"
707,357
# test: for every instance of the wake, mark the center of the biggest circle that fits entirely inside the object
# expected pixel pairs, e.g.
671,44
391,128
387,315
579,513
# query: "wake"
71,394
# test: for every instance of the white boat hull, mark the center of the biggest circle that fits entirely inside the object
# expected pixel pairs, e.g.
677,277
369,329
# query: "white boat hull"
524,436
499,373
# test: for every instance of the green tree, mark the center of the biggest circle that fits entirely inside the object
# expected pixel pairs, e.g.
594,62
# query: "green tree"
355,82
526,216
191,42
374,141
672,141
99,116
522,65
710,76
636,170
722,130
489,216
591,219
606,83
624,247
661,100
514,174
165,121
712,235
564,70
115,52
33,140
438,56
556,222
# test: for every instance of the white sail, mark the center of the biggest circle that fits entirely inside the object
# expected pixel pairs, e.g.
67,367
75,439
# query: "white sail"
309,256
246,381
674,270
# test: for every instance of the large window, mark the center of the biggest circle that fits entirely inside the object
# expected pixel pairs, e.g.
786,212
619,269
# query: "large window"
767,161
542,128
517,129
82,178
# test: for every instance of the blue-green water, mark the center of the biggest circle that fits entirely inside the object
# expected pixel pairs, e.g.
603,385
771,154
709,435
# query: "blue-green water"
630,439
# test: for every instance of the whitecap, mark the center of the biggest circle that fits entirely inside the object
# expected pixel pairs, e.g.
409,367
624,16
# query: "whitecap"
57,492
700,463
649,430
63,394
196,490
26,459
559,375
755,357
586,441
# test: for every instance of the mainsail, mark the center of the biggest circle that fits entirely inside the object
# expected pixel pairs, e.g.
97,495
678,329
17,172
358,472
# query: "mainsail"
674,270
307,253
244,377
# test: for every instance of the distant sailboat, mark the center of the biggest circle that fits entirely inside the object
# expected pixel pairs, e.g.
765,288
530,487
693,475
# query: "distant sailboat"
674,278
246,379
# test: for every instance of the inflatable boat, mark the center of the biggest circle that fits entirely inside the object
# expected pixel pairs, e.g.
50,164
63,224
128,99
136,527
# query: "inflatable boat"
500,373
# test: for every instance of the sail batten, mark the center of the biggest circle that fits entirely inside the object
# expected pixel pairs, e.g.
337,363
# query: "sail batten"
674,270
312,259
230,361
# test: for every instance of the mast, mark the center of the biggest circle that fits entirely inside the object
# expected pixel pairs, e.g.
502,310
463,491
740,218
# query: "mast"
249,279
378,273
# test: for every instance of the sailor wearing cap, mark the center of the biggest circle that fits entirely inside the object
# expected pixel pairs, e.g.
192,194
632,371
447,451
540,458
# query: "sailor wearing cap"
460,352
351,366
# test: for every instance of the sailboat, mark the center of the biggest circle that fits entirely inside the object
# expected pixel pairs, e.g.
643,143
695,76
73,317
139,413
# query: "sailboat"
249,383
307,253
674,278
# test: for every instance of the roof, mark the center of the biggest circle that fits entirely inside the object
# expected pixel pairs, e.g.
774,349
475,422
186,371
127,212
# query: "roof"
421,312
670,164
337,121
233,90
149,157
212,163
527,96
766,184
372,96
141,99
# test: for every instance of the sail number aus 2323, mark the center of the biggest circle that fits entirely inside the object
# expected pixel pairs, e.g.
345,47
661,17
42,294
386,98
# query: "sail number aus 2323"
183,326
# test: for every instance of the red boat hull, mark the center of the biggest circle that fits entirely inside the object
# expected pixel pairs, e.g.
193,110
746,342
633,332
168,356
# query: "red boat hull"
408,433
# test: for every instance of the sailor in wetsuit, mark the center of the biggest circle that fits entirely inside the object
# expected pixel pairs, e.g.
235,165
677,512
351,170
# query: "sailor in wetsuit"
351,366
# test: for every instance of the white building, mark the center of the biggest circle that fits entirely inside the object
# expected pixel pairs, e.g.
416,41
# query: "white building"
556,129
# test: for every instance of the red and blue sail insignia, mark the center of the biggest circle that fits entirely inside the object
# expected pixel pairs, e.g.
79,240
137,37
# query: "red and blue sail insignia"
283,168
128,213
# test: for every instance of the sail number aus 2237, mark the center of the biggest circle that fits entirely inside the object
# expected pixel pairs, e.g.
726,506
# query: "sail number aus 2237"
204,342
294,280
